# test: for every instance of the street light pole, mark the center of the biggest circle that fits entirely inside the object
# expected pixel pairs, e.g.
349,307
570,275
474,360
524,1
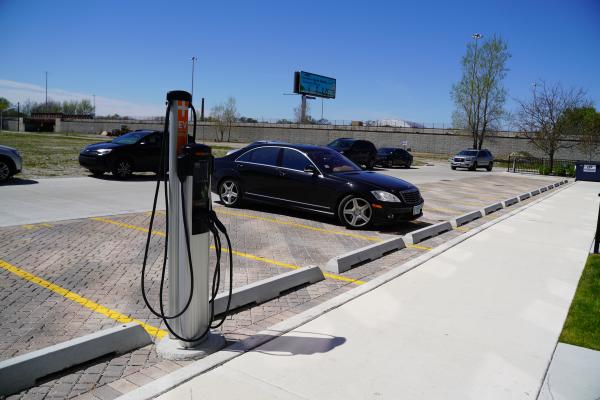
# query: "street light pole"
193,67
94,96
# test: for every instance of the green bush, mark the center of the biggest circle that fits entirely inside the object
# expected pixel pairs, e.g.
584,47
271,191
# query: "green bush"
560,171
544,170
570,170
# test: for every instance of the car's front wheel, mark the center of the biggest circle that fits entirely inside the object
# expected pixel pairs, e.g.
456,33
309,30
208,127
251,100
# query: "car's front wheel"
490,166
5,170
355,212
473,167
230,192
123,168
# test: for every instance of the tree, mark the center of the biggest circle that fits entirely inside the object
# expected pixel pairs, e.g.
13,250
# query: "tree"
583,122
298,115
224,115
4,104
479,95
540,117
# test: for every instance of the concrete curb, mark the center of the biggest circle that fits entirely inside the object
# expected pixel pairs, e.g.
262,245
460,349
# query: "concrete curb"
510,202
465,218
492,208
524,196
374,251
535,192
267,289
543,189
21,372
168,382
430,231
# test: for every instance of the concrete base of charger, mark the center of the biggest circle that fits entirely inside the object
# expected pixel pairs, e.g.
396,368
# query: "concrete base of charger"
172,349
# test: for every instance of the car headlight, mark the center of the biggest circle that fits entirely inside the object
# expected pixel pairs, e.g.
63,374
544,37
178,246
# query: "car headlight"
385,196
102,152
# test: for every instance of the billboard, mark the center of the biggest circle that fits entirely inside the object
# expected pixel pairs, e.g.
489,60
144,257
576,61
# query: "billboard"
314,85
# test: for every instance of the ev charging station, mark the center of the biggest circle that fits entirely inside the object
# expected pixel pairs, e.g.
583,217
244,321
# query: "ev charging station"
186,169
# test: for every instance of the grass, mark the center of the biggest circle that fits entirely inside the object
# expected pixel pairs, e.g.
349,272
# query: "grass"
582,327
49,154
57,154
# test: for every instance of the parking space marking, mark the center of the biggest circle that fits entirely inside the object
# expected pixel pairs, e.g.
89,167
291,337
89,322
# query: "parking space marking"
89,304
235,252
416,246
36,226
297,225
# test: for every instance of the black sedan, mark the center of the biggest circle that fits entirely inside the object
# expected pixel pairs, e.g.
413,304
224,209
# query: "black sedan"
137,151
393,157
317,179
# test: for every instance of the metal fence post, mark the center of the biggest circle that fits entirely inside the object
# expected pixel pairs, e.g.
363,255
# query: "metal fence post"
597,238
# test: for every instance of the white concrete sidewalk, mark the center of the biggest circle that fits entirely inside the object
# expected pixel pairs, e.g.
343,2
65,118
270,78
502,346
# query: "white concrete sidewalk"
479,321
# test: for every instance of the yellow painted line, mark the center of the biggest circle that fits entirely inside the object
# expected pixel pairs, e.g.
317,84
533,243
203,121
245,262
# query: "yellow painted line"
107,312
297,225
460,228
124,225
28,226
237,253
36,226
416,246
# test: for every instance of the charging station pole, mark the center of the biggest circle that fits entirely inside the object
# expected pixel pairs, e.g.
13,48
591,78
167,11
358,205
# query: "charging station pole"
189,172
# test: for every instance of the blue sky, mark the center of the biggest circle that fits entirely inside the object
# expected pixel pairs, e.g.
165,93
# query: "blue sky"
392,59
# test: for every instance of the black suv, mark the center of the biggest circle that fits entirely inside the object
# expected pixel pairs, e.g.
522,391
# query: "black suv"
392,157
362,152
137,151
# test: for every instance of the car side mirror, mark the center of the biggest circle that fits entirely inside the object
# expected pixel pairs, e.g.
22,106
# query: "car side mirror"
310,169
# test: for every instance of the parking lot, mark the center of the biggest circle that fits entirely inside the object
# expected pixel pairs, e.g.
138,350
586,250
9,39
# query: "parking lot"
61,280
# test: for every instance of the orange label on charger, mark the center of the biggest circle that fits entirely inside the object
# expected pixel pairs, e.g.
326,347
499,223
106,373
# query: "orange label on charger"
182,124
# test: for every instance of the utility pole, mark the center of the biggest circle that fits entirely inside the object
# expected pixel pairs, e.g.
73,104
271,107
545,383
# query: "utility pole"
18,116
46,91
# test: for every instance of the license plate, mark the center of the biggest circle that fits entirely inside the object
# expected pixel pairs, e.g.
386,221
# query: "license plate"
417,209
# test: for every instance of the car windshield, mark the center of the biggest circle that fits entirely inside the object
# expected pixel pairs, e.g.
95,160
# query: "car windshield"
468,153
340,144
385,150
130,138
331,161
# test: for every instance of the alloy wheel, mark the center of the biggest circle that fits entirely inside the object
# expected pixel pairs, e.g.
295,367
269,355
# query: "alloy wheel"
229,192
357,212
4,171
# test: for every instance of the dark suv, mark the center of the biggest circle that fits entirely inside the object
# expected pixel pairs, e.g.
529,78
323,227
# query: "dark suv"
137,151
362,152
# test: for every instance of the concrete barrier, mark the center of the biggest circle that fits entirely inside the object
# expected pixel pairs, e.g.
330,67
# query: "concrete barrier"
524,196
550,186
465,218
492,208
535,192
21,372
371,252
427,232
510,202
543,189
267,289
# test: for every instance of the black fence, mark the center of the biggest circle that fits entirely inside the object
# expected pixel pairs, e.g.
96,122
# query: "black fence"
541,166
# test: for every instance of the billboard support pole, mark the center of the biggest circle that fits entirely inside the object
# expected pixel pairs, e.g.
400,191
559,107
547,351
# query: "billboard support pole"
303,110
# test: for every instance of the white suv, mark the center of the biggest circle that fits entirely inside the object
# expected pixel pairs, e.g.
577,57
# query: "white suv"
473,159
10,162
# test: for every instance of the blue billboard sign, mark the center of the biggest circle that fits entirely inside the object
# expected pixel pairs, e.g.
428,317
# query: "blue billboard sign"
314,85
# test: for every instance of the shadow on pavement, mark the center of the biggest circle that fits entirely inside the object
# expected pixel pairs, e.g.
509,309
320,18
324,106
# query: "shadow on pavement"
132,178
18,182
293,344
